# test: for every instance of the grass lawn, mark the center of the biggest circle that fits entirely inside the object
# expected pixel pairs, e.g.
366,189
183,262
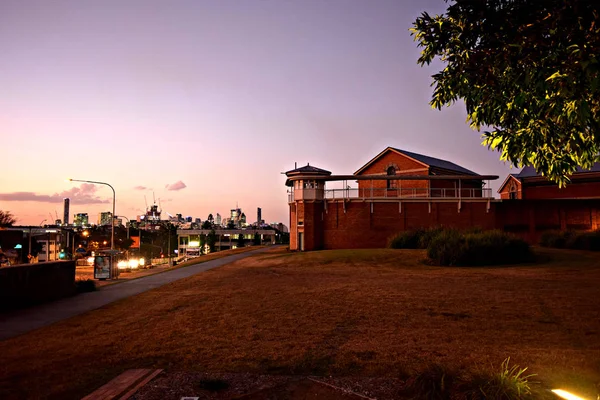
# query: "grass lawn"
359,312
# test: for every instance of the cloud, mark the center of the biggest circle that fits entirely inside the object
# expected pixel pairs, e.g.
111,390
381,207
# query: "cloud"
140,188
176,186
84,194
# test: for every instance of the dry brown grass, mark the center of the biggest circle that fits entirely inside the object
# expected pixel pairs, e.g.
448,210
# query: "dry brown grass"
359,312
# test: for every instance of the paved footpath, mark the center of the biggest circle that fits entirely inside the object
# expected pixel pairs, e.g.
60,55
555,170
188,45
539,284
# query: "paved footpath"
22,321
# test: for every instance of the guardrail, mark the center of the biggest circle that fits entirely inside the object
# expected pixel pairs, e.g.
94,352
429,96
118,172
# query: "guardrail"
397,193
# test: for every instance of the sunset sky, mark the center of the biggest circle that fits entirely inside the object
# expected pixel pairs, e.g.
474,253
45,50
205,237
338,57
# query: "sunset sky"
205,103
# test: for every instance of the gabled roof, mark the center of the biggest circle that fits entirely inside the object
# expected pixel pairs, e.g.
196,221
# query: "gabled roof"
308,169
425,160
530,172
508,178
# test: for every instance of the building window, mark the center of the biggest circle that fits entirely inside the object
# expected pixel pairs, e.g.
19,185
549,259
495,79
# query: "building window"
391,184
513,192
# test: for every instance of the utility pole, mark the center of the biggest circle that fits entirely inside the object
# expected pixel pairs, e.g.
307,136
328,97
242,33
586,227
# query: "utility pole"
169,243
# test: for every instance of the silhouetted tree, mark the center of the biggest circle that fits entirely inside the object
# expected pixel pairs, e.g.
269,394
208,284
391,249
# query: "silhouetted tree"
7,219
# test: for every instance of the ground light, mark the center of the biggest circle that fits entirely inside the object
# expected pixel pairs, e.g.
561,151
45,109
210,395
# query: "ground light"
563,394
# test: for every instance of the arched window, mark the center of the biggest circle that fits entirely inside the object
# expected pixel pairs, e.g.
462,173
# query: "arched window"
391,171
512,191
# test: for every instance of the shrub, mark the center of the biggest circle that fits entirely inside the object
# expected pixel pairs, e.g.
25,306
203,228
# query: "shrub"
571,240
555,239
405,240
436,382
584,241
507,384
447,248
493,248
85,285
428,235
452,247
415,239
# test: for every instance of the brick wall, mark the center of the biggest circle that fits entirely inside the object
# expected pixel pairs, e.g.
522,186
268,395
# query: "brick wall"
403,165
358,224
572,190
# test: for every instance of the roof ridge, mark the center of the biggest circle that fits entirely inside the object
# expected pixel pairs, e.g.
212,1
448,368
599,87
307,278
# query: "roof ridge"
423,156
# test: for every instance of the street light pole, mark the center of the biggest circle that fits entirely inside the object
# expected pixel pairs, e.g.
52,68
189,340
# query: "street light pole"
112,226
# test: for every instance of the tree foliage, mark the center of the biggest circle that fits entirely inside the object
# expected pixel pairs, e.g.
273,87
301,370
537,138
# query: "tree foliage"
7,219
526,68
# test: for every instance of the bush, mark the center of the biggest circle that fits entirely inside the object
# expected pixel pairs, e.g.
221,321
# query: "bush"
416,239
555,239
571,240
584,241
85,285
405,240
509,383
452,247
436,382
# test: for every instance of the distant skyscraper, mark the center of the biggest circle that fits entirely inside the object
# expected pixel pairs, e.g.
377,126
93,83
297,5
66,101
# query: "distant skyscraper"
81,219
258,216
66,212
104,218
218,219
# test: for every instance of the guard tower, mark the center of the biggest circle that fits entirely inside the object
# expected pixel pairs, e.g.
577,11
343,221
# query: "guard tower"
306,200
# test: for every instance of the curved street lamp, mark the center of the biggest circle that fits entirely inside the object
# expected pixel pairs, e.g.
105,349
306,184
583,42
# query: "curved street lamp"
112,225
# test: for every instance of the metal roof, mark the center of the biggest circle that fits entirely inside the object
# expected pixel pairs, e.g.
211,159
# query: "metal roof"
308,169
435,162
530,172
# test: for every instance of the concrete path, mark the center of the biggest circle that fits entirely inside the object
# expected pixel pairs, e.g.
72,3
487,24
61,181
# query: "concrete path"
22,321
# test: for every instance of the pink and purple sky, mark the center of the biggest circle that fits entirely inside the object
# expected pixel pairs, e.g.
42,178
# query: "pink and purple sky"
205,102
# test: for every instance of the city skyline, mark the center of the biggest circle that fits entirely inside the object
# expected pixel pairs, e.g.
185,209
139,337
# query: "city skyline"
206,103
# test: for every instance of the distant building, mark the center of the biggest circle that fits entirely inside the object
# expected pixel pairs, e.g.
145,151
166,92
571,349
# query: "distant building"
66,211
104,218
258,216
218,219
118,221
151,220
280,227
188,219
198,221
81,219
529,184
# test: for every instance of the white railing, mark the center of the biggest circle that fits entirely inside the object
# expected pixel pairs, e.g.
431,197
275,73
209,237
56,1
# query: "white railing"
395,193
433,193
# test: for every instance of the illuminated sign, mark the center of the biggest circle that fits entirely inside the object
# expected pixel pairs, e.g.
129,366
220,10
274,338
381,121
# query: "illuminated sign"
102,266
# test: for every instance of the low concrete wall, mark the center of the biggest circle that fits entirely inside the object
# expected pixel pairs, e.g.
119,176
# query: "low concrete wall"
26,284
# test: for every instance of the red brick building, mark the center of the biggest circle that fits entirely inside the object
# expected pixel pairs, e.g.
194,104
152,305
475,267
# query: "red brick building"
397,190
529,184
395,162
400,190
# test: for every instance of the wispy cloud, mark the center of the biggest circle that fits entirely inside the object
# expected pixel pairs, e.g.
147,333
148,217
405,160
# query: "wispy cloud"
84,194
176,186
140,188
